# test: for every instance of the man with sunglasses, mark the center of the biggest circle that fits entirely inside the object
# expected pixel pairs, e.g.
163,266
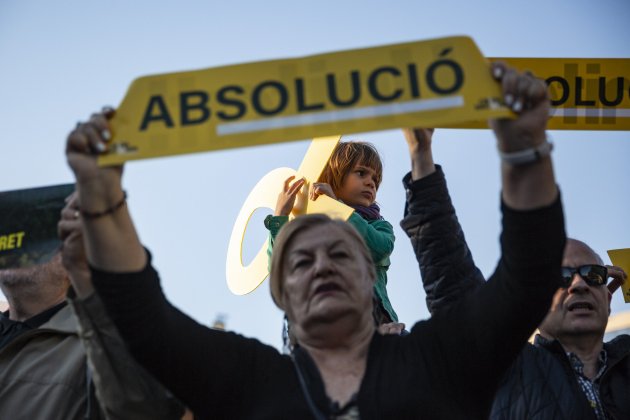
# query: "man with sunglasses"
577,321
569,372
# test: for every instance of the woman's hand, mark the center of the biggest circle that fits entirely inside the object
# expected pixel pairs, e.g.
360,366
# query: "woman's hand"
99,188
527,97
87,141
528,182
110,238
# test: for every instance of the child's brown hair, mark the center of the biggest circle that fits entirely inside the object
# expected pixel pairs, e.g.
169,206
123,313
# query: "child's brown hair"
345,157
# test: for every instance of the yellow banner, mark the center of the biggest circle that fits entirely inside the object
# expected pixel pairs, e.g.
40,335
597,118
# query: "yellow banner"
586,93
621,258
431,83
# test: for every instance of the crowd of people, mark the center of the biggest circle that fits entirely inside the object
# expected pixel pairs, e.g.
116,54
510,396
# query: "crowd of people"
90,334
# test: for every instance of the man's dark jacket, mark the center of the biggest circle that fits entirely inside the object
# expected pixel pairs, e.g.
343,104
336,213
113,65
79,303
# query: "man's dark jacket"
540,384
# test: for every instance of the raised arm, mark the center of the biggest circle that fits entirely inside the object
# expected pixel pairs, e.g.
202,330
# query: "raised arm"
481,335
196,363
111,240
527,174
533,236
446,264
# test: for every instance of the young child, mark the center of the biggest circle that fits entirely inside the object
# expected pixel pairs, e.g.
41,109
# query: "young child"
352,176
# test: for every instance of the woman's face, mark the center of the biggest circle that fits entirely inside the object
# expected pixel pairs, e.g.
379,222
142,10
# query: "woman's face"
326,277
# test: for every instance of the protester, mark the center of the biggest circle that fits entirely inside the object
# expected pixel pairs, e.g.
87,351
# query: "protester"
43,369
322,276
352,175
569,372
44,372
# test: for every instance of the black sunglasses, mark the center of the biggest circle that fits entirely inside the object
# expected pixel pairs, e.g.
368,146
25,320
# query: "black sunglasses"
593,274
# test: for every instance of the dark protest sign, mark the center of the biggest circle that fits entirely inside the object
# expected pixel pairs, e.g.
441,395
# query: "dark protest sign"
28,224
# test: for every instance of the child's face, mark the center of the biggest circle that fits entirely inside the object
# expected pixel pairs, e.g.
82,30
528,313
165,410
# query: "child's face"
359,187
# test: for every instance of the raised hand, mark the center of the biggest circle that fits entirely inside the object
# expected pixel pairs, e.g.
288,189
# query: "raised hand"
526,169
419,143
321,188
110,238
286,198
527,97
87,141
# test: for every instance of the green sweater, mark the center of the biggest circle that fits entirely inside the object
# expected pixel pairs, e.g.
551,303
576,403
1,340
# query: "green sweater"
379,238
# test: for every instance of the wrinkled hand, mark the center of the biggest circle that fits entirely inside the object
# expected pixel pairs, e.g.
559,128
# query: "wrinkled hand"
84,144
286,198
73,256
392,328
321,188
619,277
527,97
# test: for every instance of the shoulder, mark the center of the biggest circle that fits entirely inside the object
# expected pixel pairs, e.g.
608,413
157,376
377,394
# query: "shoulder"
618,347
63,321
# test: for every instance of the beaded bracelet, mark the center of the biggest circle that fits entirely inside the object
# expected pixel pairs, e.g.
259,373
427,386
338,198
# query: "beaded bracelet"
112,209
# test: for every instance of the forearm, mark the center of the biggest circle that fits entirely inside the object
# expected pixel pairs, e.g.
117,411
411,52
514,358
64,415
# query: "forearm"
422,164
528,273
123,388
81,281
419,144
495,321
529,186
111,240
206,369
162,339
446,264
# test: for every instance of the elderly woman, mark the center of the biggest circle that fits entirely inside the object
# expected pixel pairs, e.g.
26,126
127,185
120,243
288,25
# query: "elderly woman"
322,277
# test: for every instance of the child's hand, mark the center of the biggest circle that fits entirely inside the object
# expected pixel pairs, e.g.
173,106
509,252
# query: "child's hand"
321,188
286,199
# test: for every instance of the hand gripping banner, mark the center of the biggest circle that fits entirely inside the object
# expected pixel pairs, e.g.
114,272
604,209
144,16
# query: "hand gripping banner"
432,83
436,83
585,93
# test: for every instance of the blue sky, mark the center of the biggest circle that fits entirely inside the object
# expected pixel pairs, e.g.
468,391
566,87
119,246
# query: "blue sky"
60,61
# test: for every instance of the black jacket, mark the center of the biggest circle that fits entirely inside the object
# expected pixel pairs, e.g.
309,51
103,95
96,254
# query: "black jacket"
447,367
540,384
